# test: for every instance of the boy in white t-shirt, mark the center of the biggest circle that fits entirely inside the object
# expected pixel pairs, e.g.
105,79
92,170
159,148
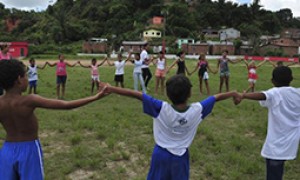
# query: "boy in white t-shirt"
33,75
283,136
174,126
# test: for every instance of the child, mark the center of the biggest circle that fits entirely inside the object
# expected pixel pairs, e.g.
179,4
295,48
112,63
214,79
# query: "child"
4,53
283,134
174,125
252,75
203,65
94,72
137,73
224,70
32,75
180,64
61,74
160,72
119,73
21,156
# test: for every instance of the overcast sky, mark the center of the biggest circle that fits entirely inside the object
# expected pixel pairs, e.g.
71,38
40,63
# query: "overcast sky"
273,5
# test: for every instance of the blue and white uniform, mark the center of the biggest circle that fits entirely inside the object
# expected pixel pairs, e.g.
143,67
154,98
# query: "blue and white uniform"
173,133
32,75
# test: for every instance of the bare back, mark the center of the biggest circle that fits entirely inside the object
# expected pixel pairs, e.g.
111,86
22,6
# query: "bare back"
17,118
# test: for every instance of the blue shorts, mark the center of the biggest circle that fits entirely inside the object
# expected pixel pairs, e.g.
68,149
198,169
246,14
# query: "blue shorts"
61,79
165,165
21,160
33,83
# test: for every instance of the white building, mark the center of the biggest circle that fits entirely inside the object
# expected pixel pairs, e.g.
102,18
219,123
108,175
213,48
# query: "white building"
229,34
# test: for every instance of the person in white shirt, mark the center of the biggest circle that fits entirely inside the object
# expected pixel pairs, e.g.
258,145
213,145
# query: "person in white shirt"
137,73
147,75
174,126
283,134
33,75
119,73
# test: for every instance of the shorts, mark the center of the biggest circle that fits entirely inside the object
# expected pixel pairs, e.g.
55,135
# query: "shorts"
61,79
205,76
95,78
33,83
21,160
119,78
165,165
160,73
252,81
225,73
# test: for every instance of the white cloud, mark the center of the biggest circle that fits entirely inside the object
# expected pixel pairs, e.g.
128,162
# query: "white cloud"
37,5
276,5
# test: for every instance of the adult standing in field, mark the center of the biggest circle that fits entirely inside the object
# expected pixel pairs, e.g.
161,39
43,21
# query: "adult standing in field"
146,73
4,55
224,70
61,74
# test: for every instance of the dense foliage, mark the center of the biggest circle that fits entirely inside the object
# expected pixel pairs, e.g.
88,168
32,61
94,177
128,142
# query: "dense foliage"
70,21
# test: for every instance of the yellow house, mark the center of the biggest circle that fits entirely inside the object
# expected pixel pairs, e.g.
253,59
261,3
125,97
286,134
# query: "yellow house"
151,33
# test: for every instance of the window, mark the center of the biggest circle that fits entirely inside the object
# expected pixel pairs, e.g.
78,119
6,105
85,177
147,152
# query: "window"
158,33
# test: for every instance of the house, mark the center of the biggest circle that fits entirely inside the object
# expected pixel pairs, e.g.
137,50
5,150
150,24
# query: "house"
134,46
181,41
157,20
210,33
229,34
195,49
152,33
95,45
217,48
287,46
17,49
291,33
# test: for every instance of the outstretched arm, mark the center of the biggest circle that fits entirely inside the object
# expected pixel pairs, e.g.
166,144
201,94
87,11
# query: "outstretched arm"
246,62
122,91
292,63
272,63
40,102
109,63
261,63
234,61
254,96
212,71
51,64
42,67
71,65
173,64
103,61
233,94
83,65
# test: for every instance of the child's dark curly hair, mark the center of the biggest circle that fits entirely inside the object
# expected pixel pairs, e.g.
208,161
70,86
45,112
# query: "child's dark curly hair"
10,71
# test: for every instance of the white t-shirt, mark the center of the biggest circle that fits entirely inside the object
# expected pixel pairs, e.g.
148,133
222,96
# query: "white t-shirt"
175,130
160,64
144,57
138,66
32,73
283,134
119,67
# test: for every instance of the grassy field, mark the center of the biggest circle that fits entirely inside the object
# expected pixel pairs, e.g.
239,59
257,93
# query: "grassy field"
112,138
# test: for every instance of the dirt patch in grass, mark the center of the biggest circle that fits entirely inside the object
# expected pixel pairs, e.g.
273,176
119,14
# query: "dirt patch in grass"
81,174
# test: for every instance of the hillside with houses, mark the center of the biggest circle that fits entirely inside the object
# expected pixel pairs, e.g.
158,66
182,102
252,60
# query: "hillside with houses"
93,26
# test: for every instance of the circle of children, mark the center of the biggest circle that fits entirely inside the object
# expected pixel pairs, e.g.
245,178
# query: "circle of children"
175,124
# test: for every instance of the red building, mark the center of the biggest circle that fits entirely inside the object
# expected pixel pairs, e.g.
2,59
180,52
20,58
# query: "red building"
17,49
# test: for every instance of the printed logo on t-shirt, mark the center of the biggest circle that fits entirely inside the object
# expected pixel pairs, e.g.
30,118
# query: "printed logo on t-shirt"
182,121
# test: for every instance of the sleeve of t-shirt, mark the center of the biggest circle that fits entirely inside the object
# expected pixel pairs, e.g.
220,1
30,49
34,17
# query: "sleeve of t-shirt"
207,105
151,106
271,98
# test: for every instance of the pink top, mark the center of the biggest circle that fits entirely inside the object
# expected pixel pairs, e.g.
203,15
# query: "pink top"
94,70
61,69
6,56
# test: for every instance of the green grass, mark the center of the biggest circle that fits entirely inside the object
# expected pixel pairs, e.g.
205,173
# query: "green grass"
112,138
